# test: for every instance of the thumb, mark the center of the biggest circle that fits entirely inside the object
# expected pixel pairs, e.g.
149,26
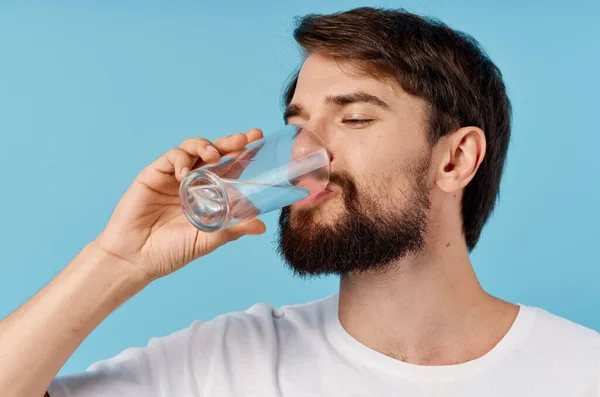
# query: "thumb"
252,227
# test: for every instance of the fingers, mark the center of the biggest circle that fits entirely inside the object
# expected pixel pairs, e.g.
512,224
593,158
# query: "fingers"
237,167
174,161
254,135
205,150
234,145
195,152
231,143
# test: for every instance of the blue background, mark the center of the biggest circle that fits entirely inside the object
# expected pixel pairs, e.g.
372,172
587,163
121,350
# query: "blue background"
90,92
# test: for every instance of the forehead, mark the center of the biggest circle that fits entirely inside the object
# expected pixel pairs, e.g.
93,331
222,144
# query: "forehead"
321,75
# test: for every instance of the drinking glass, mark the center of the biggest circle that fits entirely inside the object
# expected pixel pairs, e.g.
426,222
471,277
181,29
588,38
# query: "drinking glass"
287,167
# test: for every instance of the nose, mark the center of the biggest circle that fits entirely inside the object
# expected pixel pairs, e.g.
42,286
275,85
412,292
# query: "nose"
309,141
313,168
324,136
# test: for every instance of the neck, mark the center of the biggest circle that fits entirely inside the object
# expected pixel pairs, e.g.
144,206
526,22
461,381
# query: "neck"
429,309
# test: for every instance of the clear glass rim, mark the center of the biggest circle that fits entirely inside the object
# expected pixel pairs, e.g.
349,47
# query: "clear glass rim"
322,144
184,192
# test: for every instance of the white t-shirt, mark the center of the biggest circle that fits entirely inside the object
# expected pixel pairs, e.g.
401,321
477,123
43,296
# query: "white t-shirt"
303,350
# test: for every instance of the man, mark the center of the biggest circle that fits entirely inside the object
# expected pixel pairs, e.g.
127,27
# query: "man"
417,122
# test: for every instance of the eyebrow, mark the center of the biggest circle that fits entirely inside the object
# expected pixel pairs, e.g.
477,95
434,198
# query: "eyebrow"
292,110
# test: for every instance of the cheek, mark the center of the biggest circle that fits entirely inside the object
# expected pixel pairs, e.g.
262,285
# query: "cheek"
377,161
371,159
385,180
358,163
375,176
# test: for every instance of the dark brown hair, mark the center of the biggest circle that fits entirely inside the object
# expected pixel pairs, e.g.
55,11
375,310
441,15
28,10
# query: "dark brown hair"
427,59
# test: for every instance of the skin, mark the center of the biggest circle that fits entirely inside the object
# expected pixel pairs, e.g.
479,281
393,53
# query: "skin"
430,308
432,299
147,237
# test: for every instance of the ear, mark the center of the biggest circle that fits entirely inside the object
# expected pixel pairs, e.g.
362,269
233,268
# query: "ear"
462,153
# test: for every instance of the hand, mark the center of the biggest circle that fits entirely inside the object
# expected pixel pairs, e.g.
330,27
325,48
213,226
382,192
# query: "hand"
148,229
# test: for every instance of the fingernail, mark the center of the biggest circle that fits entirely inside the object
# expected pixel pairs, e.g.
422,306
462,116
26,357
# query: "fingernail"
184,171
211,148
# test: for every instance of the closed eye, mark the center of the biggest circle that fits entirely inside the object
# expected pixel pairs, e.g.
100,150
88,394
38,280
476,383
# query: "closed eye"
358,121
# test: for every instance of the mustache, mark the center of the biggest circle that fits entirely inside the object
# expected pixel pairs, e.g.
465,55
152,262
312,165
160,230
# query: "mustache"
344,180
349,192
349,188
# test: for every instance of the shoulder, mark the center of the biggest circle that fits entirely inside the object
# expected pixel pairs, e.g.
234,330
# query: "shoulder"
262,323
561,330
564,338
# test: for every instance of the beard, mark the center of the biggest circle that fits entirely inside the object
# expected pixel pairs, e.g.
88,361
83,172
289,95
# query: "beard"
367,236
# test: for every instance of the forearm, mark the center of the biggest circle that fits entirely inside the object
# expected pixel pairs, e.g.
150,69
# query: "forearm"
38,338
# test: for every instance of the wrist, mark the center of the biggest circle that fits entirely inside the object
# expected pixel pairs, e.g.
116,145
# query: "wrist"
123,272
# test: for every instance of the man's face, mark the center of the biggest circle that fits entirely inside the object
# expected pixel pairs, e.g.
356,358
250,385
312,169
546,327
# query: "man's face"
380,157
